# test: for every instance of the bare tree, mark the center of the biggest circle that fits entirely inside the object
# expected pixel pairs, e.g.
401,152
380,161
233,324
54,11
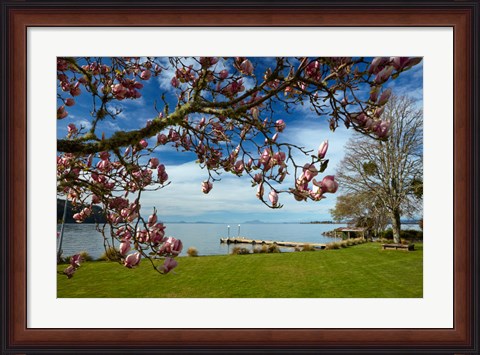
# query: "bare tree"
390,170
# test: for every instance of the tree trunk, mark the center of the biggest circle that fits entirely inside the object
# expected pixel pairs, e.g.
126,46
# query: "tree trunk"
396,225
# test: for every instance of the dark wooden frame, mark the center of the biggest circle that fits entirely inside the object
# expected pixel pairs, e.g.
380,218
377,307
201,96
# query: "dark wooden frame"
17,16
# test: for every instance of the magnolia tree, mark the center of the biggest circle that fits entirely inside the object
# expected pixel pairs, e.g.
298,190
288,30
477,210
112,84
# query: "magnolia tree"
229,112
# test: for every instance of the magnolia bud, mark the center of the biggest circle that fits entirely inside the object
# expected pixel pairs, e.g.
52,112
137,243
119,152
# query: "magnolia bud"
322,149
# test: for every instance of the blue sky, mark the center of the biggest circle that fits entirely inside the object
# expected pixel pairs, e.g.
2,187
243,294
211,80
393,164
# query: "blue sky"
231,200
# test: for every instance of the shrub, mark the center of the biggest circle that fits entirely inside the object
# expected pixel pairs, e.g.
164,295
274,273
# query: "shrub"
240,251
273,248
297,248
111,254
349,242
308,247
85,256
408,234
344,244
333,245
192,251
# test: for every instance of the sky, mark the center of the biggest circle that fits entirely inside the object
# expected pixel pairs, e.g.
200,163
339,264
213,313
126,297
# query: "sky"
232,200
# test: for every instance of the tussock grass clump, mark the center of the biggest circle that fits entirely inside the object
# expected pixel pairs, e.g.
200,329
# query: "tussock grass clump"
345,243
267,248
240,251
192,251
308,247
273,248
85,256
110,254
333,245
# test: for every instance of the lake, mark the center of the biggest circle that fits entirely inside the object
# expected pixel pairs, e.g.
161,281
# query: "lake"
204,237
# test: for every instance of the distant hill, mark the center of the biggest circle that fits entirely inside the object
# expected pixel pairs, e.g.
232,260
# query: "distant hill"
255,221
97,215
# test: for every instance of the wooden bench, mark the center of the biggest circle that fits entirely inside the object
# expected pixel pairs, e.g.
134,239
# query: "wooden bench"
407,247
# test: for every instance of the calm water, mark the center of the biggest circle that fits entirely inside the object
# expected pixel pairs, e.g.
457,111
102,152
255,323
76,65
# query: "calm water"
204,237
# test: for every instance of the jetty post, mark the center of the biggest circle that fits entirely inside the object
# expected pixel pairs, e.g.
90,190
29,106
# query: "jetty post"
228,228
238,230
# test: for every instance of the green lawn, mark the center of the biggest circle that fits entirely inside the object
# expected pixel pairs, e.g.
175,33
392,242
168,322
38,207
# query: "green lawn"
358,271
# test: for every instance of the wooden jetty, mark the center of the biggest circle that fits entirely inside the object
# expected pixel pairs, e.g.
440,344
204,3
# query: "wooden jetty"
244,240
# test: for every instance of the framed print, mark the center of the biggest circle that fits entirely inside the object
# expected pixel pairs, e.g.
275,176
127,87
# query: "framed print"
101,67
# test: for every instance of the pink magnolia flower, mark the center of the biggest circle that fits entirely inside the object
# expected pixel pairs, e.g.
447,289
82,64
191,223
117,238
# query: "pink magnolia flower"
89,160
61,113
265,157
399,62
383,75
384,97
280,125
69,271
208,61
177,246
383,129
69,102
316,193
223,74
72,129
374,93
124,247
260,191
206,187
328,184
133,260
143,143
162,138
322,149
104,155
377,64
379,111
309,172
146,74
168,265
246,67
273,197
162,177
75,90
154,163
75,260
119,91
175,82
152,219
103,165
78,217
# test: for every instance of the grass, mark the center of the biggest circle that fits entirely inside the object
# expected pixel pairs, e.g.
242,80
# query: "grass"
356,272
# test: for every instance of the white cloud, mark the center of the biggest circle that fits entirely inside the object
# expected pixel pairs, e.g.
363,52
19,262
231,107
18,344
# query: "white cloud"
83,123
183,197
